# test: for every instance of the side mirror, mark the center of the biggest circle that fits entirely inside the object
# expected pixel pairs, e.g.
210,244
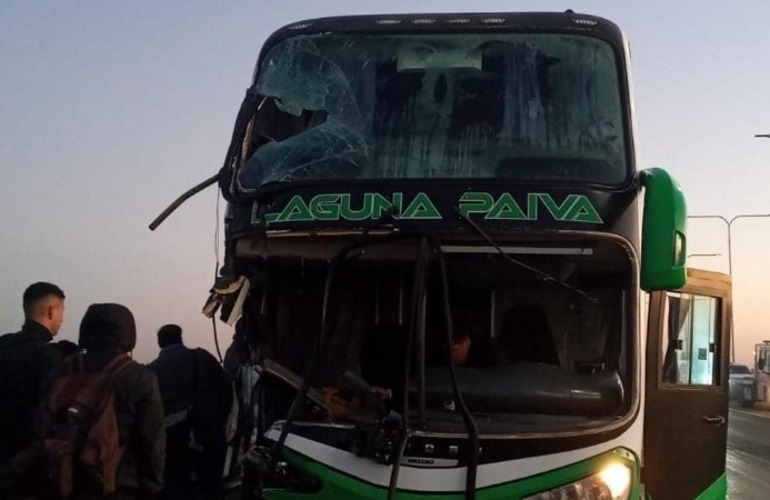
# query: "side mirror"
664,241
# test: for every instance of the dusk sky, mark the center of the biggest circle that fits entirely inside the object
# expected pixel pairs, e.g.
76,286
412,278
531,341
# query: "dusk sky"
110,110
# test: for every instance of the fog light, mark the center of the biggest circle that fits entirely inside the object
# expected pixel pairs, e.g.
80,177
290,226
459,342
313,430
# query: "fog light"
612,483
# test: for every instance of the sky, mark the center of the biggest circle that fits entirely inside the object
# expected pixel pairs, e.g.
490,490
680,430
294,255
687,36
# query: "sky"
110,110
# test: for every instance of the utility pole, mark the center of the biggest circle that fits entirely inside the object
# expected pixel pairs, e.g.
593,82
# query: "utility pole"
729,223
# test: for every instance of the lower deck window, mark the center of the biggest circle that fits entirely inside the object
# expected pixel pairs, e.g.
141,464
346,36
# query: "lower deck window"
520,346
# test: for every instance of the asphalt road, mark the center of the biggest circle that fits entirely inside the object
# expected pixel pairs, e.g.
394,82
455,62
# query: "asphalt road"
748,454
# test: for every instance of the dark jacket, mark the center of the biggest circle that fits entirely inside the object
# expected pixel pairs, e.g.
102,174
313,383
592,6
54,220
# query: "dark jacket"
186,375
108,330
26,360
196,396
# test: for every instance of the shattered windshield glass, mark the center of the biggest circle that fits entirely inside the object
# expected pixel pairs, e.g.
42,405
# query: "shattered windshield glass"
511,106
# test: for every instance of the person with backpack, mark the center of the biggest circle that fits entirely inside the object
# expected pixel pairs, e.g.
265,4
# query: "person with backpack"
26,360
119,448
197,398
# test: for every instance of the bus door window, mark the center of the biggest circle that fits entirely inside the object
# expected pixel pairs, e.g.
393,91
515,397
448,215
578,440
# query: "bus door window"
689,344
764,357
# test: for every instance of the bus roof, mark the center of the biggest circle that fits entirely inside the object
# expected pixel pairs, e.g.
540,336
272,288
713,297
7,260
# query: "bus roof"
567,22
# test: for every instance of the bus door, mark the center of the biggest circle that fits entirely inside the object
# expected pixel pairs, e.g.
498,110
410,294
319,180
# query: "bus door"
686,407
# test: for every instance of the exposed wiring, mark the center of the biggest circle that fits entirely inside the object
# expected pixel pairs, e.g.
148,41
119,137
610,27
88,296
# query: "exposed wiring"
473,431
416,315
216,338
216,237
216,273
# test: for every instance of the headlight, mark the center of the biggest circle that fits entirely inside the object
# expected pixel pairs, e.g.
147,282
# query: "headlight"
612,483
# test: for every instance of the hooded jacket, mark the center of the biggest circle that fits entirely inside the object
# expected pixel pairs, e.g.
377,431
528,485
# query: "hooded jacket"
107,331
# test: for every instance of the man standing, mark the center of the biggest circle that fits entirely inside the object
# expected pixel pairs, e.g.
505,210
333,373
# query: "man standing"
107,333
196,399
26,360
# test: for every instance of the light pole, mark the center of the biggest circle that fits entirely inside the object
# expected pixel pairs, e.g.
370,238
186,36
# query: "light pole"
729,223
703,255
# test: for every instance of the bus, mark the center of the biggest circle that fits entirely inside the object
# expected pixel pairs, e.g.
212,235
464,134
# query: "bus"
451,277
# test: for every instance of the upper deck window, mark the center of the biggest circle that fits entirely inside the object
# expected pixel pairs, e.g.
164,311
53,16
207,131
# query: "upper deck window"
524,107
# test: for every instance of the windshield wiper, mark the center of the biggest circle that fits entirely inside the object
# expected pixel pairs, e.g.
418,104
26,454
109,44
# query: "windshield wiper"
184,197
542,275
266,191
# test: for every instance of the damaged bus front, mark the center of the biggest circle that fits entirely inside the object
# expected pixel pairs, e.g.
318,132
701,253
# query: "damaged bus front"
441,250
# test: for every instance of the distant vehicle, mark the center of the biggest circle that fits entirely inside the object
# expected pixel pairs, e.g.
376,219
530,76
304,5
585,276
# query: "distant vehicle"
742,385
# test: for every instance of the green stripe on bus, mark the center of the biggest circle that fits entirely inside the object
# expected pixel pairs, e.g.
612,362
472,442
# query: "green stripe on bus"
717,490
338,485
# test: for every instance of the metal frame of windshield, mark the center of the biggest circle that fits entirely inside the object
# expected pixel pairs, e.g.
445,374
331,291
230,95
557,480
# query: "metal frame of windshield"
426,245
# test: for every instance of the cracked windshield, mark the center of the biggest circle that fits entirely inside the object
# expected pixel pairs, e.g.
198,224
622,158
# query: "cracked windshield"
530,107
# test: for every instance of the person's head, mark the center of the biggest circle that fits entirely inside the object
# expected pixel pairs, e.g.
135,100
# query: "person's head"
107,327
44,303
461,347
66,348
169,335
